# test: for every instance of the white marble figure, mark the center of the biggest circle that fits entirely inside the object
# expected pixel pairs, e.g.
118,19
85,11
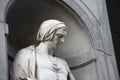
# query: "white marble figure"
38,63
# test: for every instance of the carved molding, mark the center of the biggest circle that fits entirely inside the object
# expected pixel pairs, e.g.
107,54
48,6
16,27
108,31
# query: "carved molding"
84,64
91,27
79,61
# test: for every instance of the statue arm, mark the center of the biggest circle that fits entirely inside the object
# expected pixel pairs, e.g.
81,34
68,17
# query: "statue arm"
19,66
70,75
20,69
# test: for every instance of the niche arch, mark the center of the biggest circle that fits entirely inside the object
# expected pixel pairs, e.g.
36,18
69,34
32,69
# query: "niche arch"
25,16
93,64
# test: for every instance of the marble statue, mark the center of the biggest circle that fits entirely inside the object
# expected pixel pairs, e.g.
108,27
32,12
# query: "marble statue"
38,62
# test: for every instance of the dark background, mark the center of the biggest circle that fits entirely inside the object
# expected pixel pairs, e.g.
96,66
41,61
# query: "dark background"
113,7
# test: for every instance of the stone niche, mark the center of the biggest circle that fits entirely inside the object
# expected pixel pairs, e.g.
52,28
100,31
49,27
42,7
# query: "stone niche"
25,16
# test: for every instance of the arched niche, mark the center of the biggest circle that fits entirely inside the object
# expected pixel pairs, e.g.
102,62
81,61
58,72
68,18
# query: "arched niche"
24,18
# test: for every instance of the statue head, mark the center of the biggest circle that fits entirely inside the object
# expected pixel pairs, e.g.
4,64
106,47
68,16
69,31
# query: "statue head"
53,31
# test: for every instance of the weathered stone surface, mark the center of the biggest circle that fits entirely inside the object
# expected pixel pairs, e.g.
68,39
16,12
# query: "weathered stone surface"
3,55
97,26
3,5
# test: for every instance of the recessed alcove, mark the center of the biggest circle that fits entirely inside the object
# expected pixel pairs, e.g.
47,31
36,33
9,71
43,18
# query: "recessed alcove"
25,16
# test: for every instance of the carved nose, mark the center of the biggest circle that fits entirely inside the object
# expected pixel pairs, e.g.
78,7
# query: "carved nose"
62,40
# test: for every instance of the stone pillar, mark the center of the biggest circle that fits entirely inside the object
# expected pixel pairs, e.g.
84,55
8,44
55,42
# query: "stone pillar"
3,54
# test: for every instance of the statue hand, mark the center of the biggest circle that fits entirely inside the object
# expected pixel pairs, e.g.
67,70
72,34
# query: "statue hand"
23,78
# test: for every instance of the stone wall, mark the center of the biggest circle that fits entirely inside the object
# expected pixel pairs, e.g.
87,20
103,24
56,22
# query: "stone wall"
86,18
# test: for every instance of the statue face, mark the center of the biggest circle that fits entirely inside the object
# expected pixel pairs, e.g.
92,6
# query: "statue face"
59,37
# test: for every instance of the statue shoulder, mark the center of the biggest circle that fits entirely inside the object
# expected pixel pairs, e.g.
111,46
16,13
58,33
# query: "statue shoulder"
65,63
26,51
23,55
63,60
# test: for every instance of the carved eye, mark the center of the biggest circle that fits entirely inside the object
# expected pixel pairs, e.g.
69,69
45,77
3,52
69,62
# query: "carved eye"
60,35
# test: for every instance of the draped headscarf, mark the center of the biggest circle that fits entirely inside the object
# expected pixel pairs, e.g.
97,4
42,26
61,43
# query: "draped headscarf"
48,29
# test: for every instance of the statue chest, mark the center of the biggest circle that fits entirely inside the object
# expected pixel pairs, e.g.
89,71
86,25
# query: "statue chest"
51,67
